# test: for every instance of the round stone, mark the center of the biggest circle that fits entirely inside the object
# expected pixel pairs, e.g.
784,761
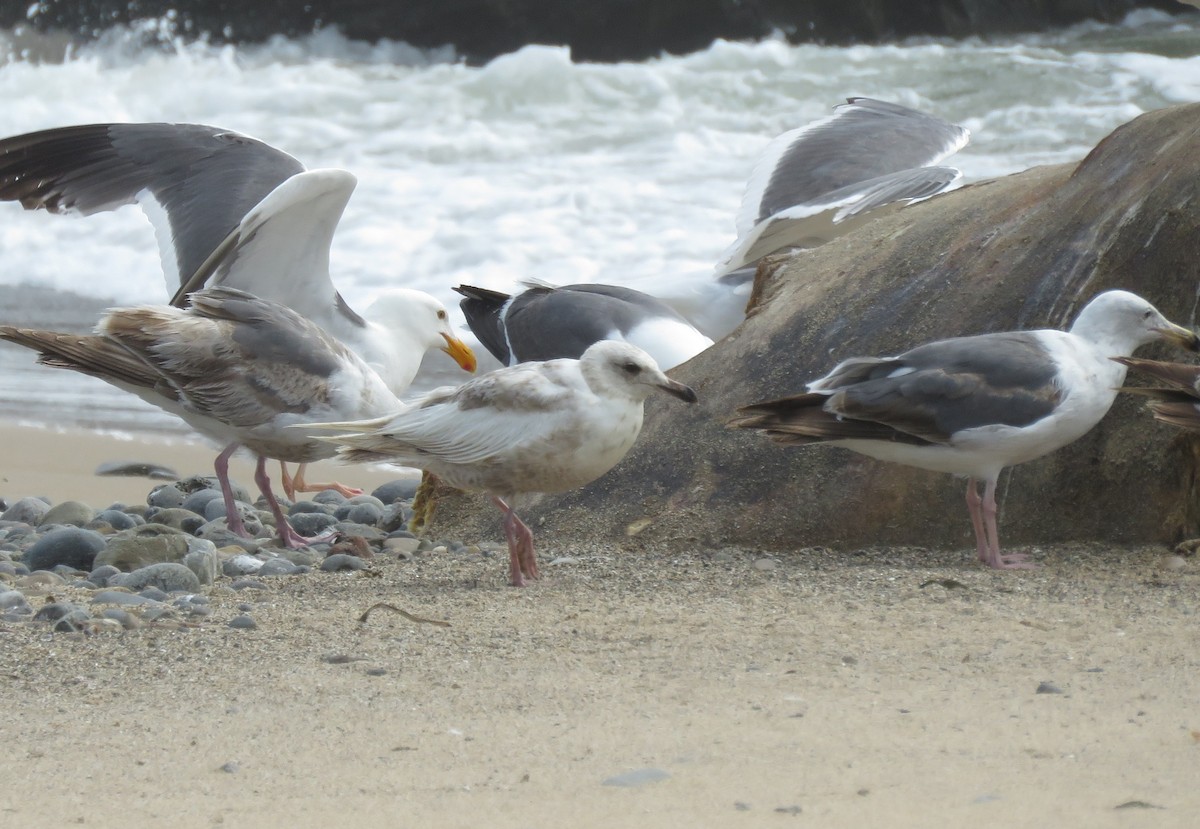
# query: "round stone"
72,513
72,546
27,511
342,562
401,489
168,576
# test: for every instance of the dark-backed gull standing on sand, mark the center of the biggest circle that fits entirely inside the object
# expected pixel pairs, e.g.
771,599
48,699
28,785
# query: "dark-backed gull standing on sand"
974,405
230,210
545,322
530,428
237,368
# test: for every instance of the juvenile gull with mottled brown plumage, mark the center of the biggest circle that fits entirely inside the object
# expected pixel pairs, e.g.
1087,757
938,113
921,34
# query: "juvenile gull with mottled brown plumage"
974,405
535,427
237,368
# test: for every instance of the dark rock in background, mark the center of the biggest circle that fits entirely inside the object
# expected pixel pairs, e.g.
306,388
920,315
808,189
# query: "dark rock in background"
599,31
1024,251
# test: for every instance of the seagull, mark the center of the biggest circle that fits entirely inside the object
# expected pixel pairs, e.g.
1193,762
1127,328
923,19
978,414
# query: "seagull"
817,182
530,428
545,322
230,210
1177,399
237,368
974,405
812,183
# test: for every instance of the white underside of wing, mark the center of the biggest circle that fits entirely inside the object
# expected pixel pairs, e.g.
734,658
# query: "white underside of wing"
280,250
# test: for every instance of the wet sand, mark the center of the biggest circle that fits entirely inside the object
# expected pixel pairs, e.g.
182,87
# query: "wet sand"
729,687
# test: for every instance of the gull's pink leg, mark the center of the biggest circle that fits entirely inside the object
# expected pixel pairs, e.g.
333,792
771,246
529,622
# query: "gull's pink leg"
300,485
287,535
974,503
1012,561
522,559
286,481
233,519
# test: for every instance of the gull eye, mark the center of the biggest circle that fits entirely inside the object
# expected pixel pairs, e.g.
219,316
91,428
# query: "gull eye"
632,369
441,313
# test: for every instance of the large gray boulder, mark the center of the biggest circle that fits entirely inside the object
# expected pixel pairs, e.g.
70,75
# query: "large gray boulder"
1026,251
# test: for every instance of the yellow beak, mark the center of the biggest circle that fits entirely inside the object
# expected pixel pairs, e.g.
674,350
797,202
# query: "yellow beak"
1184,337
461,352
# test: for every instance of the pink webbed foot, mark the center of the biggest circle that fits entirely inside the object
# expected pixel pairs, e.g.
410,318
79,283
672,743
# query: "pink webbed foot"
522,558
296,483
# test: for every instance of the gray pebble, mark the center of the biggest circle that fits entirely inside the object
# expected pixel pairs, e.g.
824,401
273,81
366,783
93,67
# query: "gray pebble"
302,558
168,575
247,584
40,578
243,622
153,593
72,513
54,611
279,567
119,520
342,562
401,489
203,560
177,518
15,601
329,496
73,622
198,482
120,597
1048,688
365,513
312,523
100,575
145,545
27,511
367,531
222,536
242,565
303,507
156,612
72,546
165,496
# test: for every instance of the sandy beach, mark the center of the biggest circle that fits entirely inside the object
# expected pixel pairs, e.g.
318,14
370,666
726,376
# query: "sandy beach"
634,685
